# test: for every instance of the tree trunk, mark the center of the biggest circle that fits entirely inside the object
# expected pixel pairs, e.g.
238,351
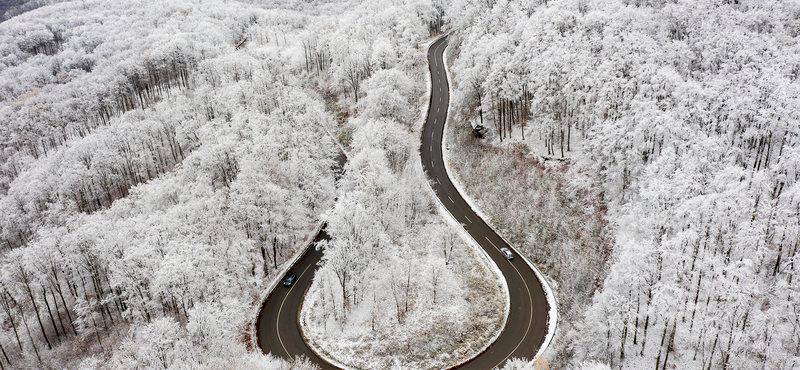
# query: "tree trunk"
27,328
50,313
661,346
58,312
275,252
66,308
480,105
6,357
622,343
36,310
265,258
7,308
644,334
696,296
669,345
569,135
713,349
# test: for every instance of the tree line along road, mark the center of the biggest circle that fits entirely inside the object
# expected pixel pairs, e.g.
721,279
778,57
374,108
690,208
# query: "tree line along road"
277,326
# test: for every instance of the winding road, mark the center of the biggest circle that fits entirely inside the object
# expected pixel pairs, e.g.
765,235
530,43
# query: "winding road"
277,325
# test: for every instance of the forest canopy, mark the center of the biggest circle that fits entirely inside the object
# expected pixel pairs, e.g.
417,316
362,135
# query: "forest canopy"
160,164
682,116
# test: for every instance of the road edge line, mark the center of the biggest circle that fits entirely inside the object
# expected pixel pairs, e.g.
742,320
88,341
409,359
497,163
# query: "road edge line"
465,236
424,110
285,267
552,311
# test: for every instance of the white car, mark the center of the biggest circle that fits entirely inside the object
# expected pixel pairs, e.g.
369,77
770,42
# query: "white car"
507,253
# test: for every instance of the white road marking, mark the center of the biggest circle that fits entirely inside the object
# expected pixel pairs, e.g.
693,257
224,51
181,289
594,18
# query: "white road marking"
530,319
451,199
437,180
432,166
530,298
277,323
437,110
465,216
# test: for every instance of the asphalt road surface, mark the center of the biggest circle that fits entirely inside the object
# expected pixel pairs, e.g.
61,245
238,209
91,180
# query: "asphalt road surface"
277,325
527,322
277,328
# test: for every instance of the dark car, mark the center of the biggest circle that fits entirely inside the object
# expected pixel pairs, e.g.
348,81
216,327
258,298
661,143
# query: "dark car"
478,131
289,279
507,253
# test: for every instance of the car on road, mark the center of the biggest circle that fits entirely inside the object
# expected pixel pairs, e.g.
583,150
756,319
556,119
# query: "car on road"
507,253
289,279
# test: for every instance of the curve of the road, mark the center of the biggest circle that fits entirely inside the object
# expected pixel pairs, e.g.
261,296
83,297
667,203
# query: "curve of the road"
277,327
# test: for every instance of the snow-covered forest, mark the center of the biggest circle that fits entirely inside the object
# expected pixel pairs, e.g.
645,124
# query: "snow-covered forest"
160,163
398,287
680,118
157,170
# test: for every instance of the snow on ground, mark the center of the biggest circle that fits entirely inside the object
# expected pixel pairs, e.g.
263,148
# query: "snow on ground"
414,304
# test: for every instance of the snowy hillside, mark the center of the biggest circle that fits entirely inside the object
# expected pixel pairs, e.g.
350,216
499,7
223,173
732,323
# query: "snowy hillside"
686,117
